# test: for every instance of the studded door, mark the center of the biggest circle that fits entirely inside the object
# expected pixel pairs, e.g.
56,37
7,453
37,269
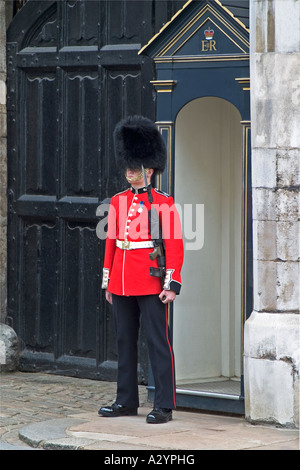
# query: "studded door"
73,73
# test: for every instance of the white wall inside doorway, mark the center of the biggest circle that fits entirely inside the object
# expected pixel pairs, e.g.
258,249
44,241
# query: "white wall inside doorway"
208,170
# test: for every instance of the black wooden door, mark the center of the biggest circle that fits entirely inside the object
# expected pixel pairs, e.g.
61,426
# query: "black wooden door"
73,72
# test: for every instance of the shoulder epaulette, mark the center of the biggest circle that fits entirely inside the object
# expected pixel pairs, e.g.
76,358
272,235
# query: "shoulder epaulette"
159,191
122,192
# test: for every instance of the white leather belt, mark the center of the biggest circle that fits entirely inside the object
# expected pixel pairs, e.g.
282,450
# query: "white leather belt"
127,245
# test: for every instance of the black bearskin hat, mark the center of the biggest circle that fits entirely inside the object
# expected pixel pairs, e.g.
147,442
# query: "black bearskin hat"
138,142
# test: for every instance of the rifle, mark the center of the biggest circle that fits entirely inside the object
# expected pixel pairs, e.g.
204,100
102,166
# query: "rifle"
156,235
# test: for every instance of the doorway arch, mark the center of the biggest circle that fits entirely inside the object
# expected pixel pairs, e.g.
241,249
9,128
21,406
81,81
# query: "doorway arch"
207,320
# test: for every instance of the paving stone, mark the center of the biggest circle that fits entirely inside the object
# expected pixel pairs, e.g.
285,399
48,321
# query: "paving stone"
35,434
61,413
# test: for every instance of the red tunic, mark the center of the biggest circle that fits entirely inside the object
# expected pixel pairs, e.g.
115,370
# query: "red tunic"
126,272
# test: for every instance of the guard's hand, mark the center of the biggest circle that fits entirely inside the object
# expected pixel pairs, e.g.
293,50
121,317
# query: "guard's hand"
108,296
167,296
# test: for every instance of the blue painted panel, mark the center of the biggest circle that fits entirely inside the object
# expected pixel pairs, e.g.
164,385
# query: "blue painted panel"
203,79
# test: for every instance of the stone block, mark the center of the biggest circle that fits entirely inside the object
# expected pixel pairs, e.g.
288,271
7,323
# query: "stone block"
3,130
288,168
287,205
276,240
2,92
9,349
287,286
264,239
264,204
263,168
287,96
288,240
273,336
271,368
275,98
263,101
297,400
259,24
276,286
287,18
264,285
269,396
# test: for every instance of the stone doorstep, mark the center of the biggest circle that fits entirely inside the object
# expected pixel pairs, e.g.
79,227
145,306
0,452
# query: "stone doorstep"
187,431
48,433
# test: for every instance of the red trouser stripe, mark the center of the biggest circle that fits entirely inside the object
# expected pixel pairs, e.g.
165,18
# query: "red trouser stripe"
172,357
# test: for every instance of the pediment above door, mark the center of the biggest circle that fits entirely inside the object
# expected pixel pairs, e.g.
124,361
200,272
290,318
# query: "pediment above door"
200,29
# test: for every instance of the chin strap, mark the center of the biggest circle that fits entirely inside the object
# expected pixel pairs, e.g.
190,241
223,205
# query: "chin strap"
134,178
150,198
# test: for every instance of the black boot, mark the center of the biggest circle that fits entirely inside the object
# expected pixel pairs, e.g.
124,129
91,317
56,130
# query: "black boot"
116,410
159,415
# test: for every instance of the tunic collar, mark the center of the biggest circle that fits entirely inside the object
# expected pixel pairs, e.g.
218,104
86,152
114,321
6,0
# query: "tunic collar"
140,190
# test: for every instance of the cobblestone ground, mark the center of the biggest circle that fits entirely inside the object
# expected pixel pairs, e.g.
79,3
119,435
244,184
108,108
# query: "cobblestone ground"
27,398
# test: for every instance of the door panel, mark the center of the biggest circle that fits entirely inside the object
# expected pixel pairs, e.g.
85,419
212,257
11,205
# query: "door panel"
38,285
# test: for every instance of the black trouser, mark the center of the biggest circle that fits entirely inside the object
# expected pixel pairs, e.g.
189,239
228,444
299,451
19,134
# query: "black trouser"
127,311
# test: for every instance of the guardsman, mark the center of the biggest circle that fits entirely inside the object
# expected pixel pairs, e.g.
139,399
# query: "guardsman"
141,272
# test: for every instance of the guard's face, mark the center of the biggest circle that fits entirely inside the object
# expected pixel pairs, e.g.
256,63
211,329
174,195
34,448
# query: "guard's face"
135,175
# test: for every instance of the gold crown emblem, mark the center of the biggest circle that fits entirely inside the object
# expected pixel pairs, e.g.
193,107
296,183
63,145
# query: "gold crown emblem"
209,34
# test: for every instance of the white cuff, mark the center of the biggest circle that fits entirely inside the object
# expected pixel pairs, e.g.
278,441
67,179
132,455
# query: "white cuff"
105,278
168,278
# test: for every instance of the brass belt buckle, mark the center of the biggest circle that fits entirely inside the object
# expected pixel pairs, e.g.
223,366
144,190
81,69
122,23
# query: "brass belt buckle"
125,245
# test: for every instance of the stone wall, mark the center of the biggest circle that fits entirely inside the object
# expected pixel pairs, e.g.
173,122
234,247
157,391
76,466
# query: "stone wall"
9,344
272,344
3,164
